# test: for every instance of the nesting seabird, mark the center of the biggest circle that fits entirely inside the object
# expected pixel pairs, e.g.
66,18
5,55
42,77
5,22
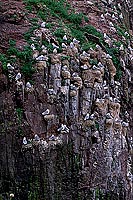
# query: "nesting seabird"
87,117
108,56
42,58
18,76
71,45
92,116
109,116
55,46
85,54
55,51
63,128
33,47
10,67
64,45
43,24
65,37
52,137
121,16
46,112
25,141
75,41
126,124
36,137
28,85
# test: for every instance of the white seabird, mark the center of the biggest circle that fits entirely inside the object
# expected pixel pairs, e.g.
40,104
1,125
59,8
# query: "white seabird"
65,37
28,85
46,112
87,117
25,141
18,76
36,137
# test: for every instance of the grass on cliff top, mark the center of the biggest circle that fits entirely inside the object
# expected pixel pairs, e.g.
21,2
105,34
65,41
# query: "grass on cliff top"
67,21
62,11
24,57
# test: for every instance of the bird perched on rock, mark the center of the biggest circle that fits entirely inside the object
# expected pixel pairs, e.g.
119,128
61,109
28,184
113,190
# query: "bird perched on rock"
33,47
64,45
51,91
10,67
85,54
105,36
43,24
111,24
104,83
46,112
52,137
117,83
86,117
71,45
25,141
108,56
92,116
73,87
119,6
11,195
44,50
84,67
100,64
114,17
75,41
55,46
63,129
36,137
98,47
65,67
55,51
65,37
109,116
121,16
43,47
107,14
126,33
102,18
126,124
28,85
94,67
116,100
42,58
18,76
121,47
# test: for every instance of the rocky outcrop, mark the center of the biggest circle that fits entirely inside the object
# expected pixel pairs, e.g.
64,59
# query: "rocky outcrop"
66,134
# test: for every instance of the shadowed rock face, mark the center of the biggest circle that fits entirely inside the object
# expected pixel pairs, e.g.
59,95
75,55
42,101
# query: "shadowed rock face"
66,135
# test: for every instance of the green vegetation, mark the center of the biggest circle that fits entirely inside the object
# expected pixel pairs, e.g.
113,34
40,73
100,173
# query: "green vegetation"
62,11
4,61
25,58
121,31
115,58
19,112
65,58
67,22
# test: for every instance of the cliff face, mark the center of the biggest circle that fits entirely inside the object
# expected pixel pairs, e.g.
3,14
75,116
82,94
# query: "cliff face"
65,101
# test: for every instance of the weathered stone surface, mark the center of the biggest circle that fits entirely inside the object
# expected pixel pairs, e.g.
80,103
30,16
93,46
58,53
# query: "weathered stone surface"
67,134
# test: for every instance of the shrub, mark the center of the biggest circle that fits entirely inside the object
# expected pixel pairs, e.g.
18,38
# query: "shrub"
4,61
115,58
